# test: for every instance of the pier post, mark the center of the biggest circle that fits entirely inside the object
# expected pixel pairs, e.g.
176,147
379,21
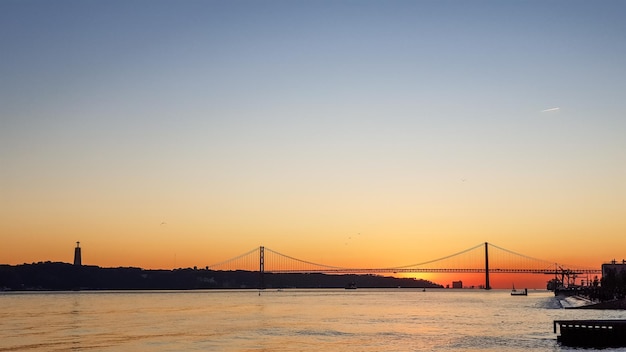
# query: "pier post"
487,286
261,267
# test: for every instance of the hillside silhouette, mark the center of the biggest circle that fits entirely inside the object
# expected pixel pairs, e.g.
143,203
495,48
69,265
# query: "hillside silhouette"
64,276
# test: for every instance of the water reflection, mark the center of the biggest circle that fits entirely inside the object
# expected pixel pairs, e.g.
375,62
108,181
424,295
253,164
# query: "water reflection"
304,320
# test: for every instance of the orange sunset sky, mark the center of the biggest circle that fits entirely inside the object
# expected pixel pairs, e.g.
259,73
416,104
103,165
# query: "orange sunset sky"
170,134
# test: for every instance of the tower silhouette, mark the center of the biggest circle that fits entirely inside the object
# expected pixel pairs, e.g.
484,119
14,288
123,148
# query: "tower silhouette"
77,256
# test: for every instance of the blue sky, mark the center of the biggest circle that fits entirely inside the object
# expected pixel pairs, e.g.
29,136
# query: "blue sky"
337,116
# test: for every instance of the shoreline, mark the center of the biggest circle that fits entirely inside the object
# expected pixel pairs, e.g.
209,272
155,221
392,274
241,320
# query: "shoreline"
579,302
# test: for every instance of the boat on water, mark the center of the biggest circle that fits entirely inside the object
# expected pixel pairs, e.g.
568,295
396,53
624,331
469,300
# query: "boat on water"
515,292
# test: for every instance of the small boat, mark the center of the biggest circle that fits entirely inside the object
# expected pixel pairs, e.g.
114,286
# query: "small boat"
515,292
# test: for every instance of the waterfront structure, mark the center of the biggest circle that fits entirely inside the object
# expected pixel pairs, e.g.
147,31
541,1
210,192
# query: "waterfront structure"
591,333
613,266
77,255
457,284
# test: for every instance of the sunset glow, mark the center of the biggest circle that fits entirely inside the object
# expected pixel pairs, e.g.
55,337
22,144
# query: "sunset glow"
366,134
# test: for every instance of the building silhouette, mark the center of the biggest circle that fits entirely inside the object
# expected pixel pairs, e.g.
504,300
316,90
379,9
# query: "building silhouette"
614,266
77,256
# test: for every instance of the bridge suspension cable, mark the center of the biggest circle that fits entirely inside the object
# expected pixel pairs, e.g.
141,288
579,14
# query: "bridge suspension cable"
245,261
439,259
470,260
549,264
281,265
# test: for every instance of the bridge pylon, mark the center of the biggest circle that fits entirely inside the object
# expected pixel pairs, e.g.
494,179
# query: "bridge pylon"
487,286
261,267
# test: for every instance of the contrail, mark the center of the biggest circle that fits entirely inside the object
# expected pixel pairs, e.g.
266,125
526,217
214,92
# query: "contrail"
551,109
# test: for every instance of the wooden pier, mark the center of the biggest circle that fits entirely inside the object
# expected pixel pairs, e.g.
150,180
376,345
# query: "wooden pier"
591,333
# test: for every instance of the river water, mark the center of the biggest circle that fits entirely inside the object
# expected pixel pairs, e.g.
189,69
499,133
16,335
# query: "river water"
287,320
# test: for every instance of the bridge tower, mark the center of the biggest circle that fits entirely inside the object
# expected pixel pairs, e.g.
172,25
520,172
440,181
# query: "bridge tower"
261,267
487,287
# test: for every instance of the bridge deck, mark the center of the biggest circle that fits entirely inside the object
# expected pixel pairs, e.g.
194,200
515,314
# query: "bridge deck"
427,270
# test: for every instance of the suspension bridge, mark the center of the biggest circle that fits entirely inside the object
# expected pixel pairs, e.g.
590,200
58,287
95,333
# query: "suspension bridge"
483,258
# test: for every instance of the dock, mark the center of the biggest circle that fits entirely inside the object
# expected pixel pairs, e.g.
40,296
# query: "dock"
591,333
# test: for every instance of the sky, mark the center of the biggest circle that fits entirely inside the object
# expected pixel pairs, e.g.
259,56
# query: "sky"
166,134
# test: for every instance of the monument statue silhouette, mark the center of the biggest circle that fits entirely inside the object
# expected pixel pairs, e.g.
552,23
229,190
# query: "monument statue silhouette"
77,256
